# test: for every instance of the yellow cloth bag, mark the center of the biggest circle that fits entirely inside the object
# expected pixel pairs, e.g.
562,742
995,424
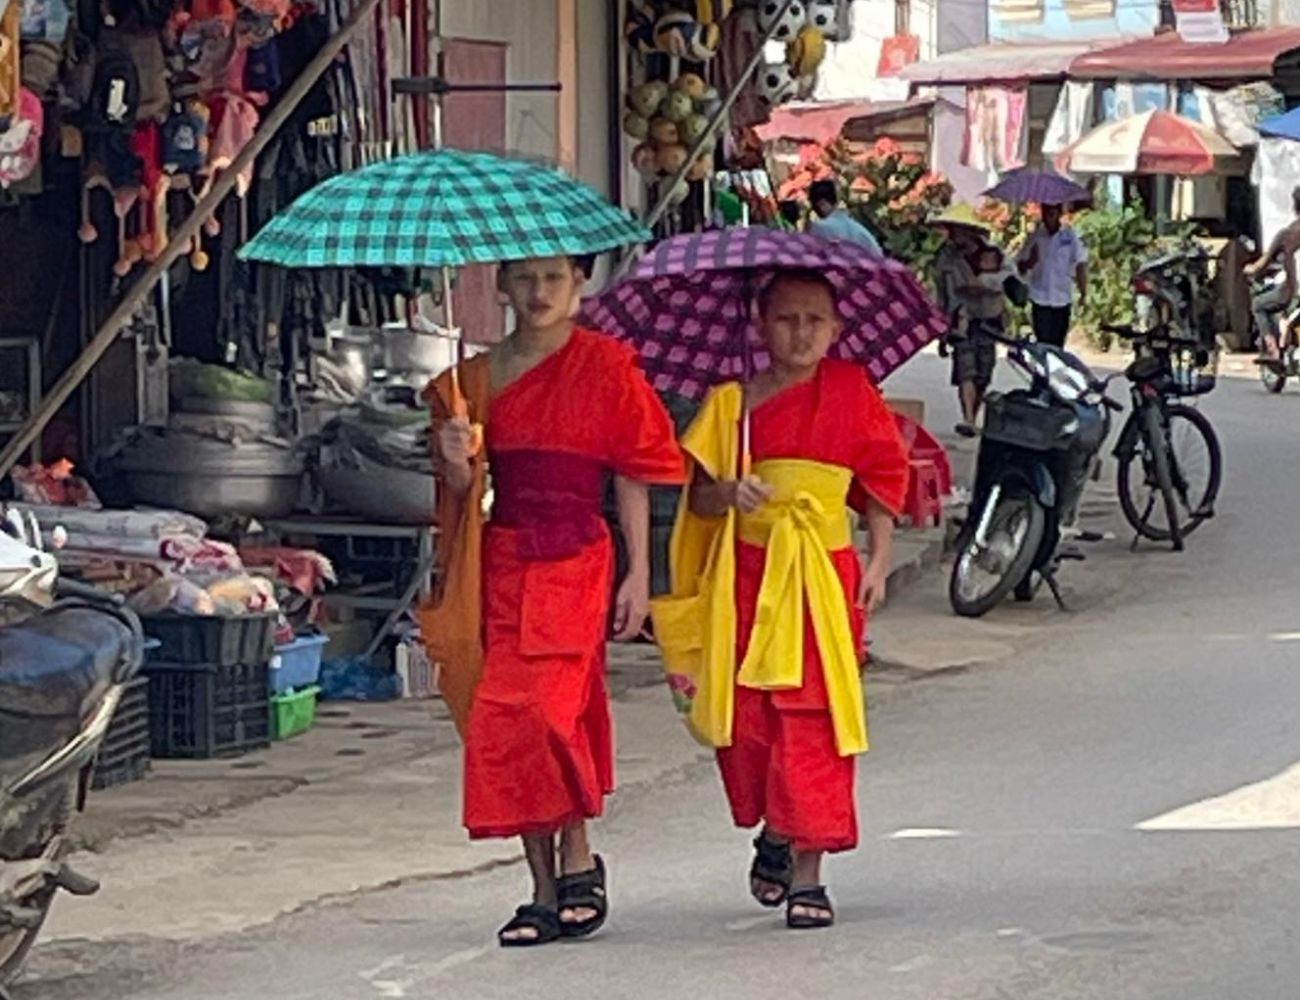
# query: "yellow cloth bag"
696,625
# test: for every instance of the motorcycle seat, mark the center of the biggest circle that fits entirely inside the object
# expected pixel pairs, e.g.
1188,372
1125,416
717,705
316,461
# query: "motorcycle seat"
51,668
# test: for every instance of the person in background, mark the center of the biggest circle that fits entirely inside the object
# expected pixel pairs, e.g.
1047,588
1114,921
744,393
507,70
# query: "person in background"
831,220
1055,261
559,410
1274,300
790,216
971,277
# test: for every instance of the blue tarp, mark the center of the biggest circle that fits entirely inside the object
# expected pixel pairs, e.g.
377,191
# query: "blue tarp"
1286,126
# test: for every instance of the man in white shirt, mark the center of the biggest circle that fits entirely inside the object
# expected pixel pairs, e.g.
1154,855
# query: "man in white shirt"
832,221
1055,261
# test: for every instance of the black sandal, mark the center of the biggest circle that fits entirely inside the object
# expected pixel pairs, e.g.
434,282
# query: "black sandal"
583,891
813,898
773,864
544,921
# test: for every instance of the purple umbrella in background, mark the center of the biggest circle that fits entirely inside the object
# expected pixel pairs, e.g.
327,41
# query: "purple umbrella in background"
689,306
1041,187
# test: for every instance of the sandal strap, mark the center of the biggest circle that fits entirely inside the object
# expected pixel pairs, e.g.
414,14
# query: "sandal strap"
583,890
813,896
773,861
534,916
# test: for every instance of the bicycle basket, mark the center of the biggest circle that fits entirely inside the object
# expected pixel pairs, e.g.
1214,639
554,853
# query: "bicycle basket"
1016,420
1192,371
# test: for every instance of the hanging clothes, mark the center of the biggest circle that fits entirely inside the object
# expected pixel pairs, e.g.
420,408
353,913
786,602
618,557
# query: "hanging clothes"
1073,116
1277,165
996,130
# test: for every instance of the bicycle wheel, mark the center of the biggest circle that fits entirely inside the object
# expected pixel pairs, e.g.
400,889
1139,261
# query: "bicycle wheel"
1146,487
1196,464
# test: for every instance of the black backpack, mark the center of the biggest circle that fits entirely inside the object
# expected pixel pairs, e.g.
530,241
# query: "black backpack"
115,91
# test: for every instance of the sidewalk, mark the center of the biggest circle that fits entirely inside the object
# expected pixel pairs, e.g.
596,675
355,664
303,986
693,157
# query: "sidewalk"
369,798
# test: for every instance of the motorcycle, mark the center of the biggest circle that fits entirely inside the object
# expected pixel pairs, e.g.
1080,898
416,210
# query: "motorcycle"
67,653
1039,447
1170,293
1273,376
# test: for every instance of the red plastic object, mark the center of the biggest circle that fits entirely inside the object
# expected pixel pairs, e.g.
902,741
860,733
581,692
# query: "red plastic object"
922,446
924,504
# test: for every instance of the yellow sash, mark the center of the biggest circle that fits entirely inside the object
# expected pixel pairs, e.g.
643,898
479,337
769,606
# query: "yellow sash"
696,625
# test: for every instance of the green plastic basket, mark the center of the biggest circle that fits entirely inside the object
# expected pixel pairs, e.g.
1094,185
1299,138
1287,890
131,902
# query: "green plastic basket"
294,713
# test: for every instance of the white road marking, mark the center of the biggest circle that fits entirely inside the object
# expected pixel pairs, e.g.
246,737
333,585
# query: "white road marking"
400,976
1271,804
1284,637
913,964
747,923
923,833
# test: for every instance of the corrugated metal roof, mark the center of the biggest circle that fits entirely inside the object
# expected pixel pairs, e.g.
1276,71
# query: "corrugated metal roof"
998,62
1247,55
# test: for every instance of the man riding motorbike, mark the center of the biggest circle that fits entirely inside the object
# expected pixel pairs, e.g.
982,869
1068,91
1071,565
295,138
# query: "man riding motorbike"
1272,301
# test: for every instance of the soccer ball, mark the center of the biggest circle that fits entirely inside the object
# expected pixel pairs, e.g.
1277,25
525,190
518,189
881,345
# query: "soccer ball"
777,84
783,29
823,15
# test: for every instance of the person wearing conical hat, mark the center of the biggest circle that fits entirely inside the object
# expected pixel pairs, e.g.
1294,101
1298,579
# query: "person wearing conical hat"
970,275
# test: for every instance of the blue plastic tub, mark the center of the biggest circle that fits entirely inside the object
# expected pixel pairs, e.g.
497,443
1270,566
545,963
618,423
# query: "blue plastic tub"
297,665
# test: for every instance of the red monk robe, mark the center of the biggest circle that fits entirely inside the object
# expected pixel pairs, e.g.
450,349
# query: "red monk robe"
538,744
783,767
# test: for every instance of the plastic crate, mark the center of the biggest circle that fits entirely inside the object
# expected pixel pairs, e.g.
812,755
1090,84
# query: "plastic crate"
199,711
293,714
206,639
124,755
297,665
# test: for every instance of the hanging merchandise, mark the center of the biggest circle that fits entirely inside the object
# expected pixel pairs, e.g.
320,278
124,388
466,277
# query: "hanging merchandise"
11,15
20,143
45,21
669,119
782,25
741,38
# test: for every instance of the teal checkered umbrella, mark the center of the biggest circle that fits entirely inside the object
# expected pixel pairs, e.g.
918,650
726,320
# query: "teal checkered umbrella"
443,209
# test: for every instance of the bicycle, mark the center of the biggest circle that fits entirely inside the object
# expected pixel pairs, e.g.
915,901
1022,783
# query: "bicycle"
1163,438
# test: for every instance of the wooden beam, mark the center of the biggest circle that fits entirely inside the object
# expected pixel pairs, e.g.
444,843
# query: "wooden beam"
566,71
181,240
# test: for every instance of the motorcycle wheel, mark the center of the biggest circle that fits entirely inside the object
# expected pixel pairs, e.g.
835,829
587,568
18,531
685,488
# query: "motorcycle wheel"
1274,381
1014,537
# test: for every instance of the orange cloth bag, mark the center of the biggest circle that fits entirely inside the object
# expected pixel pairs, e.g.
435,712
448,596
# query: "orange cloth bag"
451,621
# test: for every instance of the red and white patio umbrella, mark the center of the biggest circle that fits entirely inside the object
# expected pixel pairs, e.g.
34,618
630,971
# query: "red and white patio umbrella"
1155,142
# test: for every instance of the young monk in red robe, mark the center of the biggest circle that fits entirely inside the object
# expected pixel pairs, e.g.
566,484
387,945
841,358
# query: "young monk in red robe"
561,410
770,597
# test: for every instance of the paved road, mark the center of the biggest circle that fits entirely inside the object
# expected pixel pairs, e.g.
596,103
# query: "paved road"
1108,813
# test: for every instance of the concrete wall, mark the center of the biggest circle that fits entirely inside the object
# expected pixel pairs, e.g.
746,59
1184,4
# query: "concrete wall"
529,28
1069,20
850,67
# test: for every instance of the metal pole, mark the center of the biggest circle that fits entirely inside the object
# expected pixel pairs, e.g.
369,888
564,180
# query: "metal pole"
667,190
181,240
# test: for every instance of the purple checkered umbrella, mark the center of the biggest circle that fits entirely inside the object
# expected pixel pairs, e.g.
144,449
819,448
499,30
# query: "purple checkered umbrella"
688,308
1039,187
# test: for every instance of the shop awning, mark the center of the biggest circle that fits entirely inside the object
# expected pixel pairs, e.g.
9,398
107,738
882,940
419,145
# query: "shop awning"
999,62
1245,56
819,123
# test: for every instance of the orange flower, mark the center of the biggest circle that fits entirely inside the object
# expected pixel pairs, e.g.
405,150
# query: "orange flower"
885,146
